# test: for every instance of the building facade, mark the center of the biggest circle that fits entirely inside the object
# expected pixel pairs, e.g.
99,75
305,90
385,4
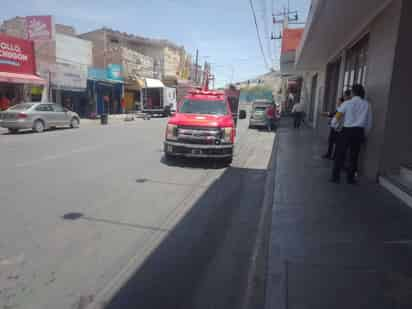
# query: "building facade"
364,42
18,78
68,75
61,58
167,57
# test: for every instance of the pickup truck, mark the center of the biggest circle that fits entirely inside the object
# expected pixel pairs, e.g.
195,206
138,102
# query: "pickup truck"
202,127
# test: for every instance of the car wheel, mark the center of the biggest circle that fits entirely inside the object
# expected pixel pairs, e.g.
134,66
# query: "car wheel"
74,123
13,131
38,126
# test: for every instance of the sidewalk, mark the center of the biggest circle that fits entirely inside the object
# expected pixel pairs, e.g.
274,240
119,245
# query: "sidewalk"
117,118
334,246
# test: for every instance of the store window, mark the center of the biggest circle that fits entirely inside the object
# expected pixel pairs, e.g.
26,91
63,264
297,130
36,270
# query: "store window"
356,64
36,94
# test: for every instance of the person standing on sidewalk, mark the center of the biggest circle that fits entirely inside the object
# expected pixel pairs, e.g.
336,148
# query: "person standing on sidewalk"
297,112
357,118
270,117
334,131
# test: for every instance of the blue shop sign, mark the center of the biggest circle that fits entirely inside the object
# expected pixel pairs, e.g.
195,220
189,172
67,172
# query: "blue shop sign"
112,73
97,74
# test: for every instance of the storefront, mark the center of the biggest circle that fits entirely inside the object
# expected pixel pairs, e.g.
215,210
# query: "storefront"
18,77
105,91
133,94
69,87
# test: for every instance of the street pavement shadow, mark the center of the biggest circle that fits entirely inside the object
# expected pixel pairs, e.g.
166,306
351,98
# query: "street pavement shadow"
204,260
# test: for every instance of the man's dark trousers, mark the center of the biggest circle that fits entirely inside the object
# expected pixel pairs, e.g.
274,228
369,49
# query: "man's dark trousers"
350,139
297,119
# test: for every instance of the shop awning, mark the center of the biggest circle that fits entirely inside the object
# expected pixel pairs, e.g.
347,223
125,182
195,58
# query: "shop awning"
21,78
153,83
134,84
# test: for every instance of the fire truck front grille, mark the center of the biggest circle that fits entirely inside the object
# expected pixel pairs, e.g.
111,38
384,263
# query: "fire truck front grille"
203,136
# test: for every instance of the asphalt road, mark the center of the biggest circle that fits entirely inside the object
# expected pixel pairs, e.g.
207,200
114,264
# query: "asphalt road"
94,216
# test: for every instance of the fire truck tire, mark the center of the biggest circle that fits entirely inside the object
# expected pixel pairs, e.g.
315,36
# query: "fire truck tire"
168,157
228,161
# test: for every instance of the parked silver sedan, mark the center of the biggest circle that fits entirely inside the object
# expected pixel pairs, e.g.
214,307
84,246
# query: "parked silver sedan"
37,116
258,114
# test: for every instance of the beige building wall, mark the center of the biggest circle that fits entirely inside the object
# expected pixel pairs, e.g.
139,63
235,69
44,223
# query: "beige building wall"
166,60
64,29
136,65
171,62
98,39
15,27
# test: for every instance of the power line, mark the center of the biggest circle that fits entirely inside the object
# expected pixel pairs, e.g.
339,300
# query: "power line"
258,34
267,33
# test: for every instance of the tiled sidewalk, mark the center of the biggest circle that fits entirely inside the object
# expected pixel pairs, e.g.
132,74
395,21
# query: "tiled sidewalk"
334,246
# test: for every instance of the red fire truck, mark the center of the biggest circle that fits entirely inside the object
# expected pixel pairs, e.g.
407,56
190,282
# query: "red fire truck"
203,126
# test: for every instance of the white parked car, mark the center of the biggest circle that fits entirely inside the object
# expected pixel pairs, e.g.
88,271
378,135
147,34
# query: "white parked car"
38,116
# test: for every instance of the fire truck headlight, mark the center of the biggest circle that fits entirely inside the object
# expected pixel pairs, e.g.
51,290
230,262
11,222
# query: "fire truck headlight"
171,132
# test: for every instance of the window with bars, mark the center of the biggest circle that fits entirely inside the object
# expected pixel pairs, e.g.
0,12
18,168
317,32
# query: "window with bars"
356,64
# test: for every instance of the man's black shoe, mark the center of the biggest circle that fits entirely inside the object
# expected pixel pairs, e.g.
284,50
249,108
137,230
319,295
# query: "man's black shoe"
326,156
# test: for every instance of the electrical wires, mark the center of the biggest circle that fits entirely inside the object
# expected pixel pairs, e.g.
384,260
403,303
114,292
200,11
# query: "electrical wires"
258,35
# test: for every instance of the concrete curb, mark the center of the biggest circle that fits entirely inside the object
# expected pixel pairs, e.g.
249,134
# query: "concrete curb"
255,295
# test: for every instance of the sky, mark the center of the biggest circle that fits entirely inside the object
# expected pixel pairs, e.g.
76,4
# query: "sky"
222,30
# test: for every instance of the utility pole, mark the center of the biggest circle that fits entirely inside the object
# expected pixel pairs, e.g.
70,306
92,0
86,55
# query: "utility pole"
104,47
286,18
196,65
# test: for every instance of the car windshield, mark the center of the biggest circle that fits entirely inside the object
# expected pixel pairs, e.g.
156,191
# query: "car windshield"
204,107
21,106
260,108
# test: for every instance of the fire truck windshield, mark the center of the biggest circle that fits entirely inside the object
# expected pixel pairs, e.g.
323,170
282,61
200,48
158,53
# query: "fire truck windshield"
203,107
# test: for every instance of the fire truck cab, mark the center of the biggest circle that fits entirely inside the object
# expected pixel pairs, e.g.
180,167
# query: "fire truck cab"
202,127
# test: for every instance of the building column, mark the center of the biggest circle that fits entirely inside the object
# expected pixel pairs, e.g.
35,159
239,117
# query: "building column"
397,148
341,83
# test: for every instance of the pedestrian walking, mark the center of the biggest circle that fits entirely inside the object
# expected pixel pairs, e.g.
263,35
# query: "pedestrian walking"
297,112
68,104
356,114
270,117
334,129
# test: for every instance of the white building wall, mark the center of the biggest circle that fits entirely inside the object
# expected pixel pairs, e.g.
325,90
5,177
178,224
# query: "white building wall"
73,50
73,57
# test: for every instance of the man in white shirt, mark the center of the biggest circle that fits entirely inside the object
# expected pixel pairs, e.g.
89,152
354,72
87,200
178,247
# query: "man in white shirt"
356,115
297,112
